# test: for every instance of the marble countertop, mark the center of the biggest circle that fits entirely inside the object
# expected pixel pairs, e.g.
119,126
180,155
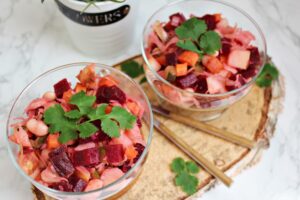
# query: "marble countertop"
33,39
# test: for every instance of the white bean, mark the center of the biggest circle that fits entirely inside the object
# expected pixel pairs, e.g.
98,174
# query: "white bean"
38,128
50,96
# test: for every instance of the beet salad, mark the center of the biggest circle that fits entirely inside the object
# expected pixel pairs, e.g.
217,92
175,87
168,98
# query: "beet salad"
82,138
203,54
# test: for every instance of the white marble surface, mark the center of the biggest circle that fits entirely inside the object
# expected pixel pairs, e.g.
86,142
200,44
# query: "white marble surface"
33,40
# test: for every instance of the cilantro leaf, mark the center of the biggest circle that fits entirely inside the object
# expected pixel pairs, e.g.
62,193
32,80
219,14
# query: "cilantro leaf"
188,45
132,68
178,165
83,102
110,127
73,114
268,74
210,42
191,29
187,182
87,129
98,113
192,167
55,118
125,119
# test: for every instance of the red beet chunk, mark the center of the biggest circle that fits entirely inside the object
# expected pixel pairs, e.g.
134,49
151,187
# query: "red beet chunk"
226,46
139,122
114,153
254,56
126,166
186,81
210,21
171,59
61,87
177,19
201,86
79,185
62,186
61,162
249,72
139,148
88,157
105,94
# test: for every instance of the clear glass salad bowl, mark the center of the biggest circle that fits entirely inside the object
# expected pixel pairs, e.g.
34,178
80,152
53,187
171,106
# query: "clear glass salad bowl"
45,83
204,106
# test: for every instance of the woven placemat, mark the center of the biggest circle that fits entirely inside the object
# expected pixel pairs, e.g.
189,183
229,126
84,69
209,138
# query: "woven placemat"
253,117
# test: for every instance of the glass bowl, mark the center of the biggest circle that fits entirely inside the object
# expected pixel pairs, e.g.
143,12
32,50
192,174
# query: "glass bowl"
204,106
45,83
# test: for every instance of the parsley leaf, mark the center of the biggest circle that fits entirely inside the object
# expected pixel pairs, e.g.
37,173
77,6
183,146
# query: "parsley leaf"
188,45
73,114
178,165
193,36
125,119
110,127
54,116
268,74
132,68
191,29
187,182
98,113
184,177
210,42
192,167
87,129
83,102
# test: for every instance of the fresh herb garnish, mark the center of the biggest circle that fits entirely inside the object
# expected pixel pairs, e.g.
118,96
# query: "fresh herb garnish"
268,74
133,69
193,36
69,123
184,177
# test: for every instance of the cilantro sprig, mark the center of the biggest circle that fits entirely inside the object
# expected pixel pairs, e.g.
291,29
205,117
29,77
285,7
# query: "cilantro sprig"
69,123
194,36
184,175
133,69
268,74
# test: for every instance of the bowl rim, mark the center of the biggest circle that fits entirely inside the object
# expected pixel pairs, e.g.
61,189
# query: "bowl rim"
77,64
264,53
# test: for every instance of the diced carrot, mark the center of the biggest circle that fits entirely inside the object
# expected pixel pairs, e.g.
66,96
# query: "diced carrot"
213,64
52,141
79,87
189,57
87,75
67,95
181,69
161,59
107,81
218,17
135,108
131,153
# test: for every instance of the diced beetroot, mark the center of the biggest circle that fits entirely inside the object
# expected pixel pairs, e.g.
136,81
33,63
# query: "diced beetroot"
254,56
177,19
114,153
61,162
139,122
139,148
105,94
239,59
249,72
61,87
226,47
126,166
88,157
186,81
171,59
201,85
79,186
210,21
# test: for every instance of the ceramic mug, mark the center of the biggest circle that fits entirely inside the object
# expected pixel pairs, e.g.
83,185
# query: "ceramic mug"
103,30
